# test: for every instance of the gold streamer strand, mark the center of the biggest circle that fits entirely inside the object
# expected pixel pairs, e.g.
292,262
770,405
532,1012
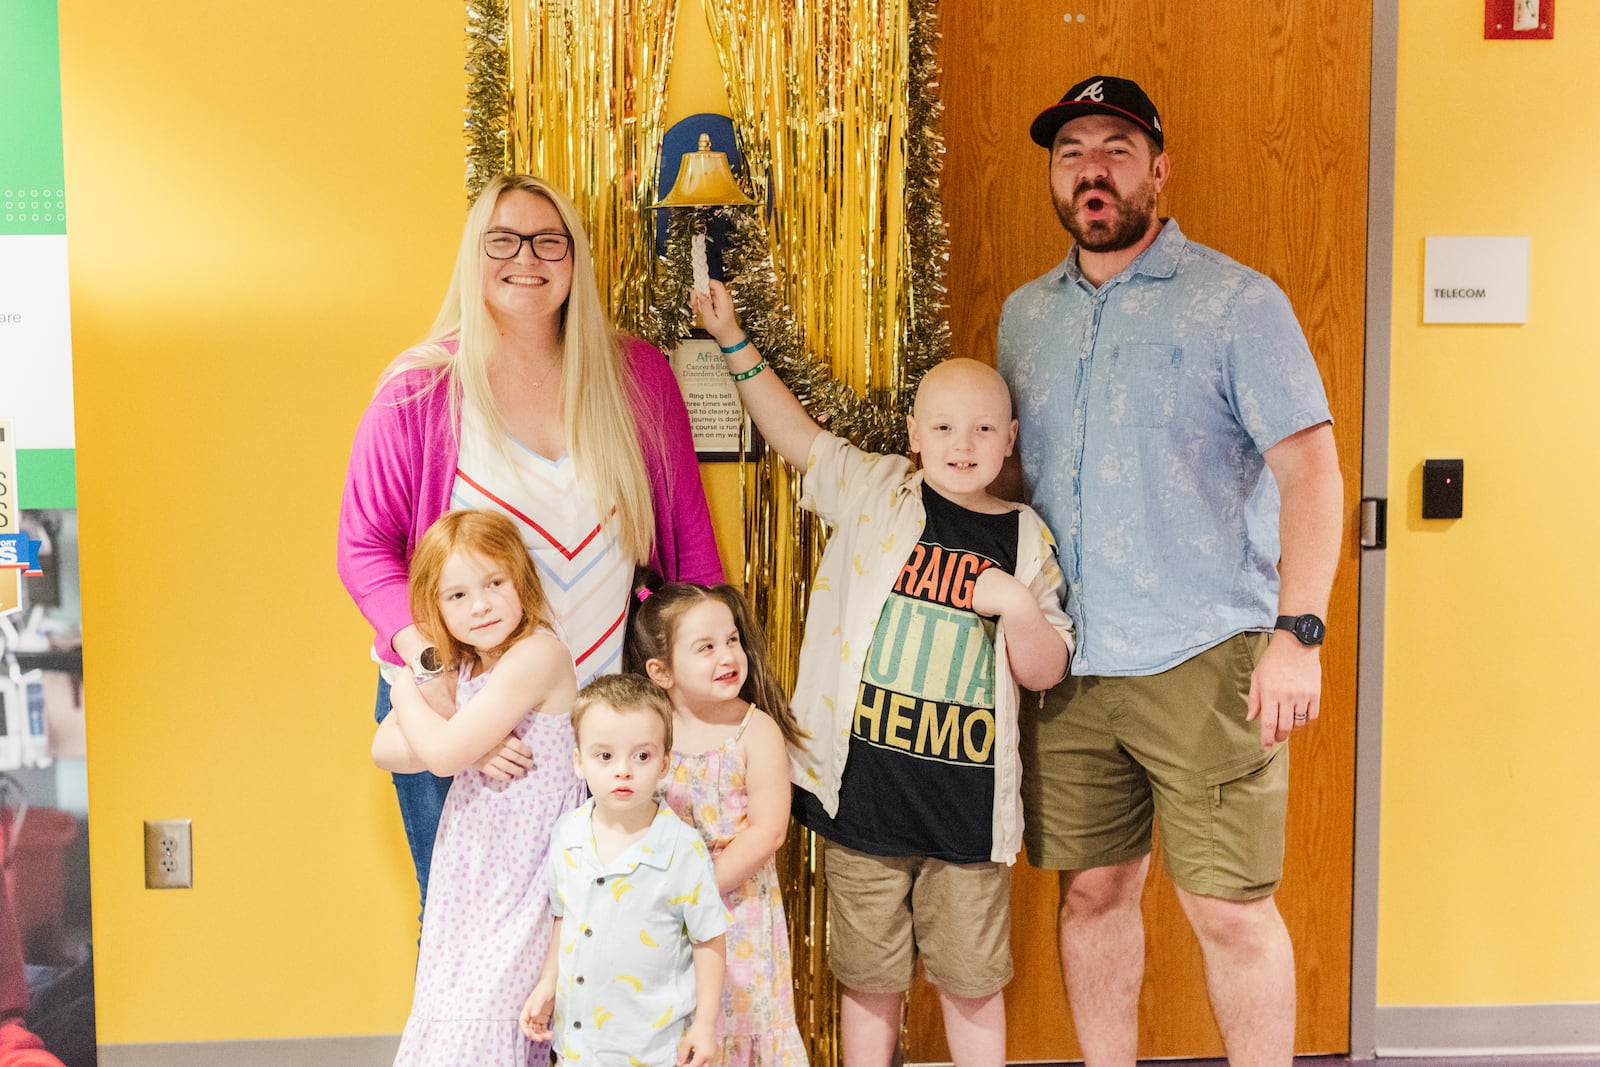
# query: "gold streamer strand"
927,240
646,75
489,107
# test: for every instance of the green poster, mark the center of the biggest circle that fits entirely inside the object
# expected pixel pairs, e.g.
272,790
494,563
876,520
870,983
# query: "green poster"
33,196
35,320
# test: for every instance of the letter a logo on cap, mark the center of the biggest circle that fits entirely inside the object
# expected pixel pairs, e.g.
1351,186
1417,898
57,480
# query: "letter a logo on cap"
1098,95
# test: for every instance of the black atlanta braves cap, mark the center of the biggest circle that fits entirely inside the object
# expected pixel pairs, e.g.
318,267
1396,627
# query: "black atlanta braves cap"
1099,95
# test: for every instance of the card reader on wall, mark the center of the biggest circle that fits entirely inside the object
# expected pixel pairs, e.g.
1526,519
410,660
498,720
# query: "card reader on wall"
1441,488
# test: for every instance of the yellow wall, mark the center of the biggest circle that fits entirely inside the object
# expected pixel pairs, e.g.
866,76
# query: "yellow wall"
1489,870
264,204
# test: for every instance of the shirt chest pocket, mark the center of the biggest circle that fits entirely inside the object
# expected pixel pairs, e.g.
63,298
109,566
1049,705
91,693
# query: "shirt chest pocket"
1142,386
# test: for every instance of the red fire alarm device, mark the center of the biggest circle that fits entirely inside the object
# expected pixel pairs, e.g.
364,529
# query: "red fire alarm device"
1519,20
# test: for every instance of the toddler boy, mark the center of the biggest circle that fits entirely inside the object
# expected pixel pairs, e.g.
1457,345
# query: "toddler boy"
635,966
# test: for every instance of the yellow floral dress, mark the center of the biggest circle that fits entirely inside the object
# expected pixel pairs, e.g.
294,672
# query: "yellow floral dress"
756,1028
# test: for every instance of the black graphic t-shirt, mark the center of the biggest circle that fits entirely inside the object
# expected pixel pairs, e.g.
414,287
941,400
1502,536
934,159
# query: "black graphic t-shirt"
919,780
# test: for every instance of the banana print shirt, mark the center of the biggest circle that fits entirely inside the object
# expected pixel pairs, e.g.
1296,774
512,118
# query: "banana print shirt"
625,977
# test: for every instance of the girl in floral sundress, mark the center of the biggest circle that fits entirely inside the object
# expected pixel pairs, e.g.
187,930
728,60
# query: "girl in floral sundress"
475,594
729,779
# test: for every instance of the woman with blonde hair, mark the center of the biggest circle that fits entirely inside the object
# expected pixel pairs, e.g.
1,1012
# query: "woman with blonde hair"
524,399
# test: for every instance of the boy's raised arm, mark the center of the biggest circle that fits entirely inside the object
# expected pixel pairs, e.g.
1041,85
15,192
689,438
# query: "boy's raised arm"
783,422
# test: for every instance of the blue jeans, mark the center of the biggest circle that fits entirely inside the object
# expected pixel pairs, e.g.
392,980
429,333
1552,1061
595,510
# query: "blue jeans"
421,803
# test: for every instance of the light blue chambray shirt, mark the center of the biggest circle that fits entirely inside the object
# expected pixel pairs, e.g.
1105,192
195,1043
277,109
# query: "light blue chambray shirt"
1146,406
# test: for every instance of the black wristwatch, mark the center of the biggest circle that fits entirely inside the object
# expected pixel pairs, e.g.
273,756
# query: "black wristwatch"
1307,629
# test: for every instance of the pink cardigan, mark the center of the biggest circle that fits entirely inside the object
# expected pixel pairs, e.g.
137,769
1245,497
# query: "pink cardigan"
403,464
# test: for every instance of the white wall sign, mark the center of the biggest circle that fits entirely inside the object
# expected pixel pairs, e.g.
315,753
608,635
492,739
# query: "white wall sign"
1475,279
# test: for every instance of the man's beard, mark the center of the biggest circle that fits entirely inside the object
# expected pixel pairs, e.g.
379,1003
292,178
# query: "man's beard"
1126,224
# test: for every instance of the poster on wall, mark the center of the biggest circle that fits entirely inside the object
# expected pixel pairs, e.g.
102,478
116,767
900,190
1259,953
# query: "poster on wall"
46,972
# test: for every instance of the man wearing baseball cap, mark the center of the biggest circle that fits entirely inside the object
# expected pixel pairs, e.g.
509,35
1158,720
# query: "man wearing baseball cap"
1176,437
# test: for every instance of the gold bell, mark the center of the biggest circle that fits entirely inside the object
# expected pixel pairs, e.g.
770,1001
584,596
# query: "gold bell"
704,180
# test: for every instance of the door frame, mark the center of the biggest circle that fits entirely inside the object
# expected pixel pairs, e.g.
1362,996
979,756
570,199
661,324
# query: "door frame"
1374,483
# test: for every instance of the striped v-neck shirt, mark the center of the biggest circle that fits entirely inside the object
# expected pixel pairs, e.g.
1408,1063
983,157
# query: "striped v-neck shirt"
586,575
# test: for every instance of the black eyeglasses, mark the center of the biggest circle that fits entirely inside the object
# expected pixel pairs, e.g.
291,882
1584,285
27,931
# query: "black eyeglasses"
503,244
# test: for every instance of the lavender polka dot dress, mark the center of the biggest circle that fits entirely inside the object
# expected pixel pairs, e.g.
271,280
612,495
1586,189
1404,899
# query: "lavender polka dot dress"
487,923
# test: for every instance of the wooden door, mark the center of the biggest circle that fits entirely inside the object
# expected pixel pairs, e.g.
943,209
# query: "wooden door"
1264,104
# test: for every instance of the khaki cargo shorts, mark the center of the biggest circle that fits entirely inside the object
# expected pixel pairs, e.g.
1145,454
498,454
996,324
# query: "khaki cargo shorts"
884,911
1106,755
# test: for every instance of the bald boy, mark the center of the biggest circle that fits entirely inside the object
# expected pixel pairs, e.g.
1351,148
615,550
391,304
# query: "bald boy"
933,603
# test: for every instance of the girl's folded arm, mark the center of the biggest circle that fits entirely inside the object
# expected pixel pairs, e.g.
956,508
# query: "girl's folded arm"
390,751
536,672
767,786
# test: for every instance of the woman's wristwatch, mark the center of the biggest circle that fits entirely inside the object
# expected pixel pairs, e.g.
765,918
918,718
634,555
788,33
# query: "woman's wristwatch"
430,664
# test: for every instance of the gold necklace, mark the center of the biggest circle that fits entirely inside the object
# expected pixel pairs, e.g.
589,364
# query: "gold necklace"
556,366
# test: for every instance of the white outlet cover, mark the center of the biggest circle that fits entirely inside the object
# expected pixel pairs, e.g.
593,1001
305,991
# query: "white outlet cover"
168,854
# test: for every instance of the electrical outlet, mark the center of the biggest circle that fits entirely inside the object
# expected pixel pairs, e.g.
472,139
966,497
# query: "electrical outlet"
168,854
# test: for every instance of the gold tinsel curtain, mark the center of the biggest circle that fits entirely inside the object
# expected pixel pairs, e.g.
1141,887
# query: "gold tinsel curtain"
818,92
574,91
836,107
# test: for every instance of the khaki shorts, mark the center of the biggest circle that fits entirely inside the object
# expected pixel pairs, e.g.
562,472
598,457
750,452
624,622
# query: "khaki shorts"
1105,754
883,911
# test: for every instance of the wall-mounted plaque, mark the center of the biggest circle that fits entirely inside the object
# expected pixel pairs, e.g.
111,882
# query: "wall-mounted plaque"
715,414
